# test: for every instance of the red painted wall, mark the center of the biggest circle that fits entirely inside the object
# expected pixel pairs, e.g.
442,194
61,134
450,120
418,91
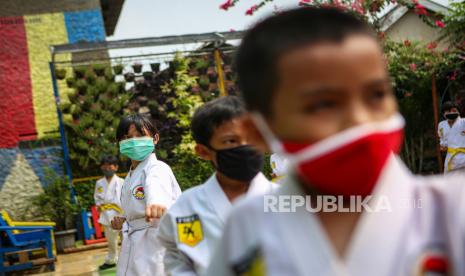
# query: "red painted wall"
17,113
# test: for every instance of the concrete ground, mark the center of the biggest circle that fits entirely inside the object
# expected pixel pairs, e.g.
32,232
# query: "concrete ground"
81,263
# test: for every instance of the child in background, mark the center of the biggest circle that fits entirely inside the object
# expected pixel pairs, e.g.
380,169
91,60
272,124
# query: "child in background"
148,190
316,82
107,198
451,133
192,227
279,166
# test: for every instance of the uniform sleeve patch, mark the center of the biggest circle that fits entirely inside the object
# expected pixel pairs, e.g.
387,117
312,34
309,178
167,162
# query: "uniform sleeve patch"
433,262
252,264
189,230
138,192
100,189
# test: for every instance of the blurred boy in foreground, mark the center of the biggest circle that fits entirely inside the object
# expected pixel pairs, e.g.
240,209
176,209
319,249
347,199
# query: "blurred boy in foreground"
316,83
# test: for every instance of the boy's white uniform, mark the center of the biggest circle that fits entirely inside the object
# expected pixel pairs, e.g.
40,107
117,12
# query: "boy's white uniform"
152,182
406,241
454,139
279,166
107,197
192,227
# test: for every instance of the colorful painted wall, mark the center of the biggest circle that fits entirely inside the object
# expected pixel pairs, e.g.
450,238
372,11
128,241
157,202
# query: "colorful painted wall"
27,103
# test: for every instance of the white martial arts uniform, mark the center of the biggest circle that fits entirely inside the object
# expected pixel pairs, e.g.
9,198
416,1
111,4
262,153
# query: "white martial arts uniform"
406,241
279,165
454,139
192,227
151,182
107,197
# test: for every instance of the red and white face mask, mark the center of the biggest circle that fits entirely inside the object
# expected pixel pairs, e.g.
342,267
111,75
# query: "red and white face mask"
348,163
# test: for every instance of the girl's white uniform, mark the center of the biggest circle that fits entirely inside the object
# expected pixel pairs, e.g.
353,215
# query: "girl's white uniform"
423,233
152,182
454,139
192,227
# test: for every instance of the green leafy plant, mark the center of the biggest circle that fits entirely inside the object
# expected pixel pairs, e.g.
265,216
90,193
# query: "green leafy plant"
60,73
85,194
55,203
413,65
454,21
95,108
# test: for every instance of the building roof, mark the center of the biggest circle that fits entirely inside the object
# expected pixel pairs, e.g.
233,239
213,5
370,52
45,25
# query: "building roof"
111,10
392,13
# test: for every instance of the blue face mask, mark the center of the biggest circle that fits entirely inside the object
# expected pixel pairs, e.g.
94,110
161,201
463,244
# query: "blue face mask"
137,148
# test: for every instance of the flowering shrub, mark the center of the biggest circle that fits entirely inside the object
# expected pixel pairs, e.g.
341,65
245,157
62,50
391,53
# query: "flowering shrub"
367,9
412,66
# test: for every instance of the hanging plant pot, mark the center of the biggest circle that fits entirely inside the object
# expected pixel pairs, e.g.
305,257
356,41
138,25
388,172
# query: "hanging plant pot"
147,76
155,67
99,69
213,77
137,68
129,77
60,74
204,83
70,82
118,69
79,72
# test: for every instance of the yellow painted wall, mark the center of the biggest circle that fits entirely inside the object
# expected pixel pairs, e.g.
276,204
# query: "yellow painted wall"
44,30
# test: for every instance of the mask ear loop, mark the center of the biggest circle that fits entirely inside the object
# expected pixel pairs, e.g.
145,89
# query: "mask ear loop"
271,140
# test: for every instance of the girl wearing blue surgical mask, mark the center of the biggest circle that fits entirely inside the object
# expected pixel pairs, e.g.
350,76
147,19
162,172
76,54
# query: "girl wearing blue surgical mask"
148,190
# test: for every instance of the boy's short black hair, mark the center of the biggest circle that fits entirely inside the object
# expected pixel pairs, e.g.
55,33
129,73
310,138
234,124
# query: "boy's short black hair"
109,159
448,106
266,42
140,121
212,114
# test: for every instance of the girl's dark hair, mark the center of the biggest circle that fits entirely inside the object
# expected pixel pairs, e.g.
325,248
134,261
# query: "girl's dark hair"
269,40
141,122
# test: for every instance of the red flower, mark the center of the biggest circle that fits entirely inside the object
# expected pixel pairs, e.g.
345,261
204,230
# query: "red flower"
440,24
415,2
407,43
251,10
408,94
226,5
413,67
420,9
432,46
381,35
304,2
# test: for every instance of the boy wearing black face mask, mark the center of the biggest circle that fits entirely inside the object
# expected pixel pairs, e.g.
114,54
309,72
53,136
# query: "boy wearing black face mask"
193,225
451,132
107,198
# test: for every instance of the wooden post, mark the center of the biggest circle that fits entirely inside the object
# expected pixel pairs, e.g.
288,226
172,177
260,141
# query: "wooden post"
219,70
436,121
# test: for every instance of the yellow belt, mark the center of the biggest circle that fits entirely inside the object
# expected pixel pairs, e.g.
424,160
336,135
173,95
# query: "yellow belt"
276,179
453,152
111,206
